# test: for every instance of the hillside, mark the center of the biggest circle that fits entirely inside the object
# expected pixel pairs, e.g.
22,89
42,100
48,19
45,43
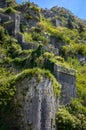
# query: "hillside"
42,68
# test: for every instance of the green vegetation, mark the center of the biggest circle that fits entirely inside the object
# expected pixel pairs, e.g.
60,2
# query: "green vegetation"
7,88
28,37
10,10
74,50
7,91
17,64
67,121
36,35
38,72
35,8
28,16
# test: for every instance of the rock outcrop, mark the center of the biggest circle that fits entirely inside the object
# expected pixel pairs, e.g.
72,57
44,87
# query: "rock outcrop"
13,25
3,3
38,104
6,3
35,98
66,78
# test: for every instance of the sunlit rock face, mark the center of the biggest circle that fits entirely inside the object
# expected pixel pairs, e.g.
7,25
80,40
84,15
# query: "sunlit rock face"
37,104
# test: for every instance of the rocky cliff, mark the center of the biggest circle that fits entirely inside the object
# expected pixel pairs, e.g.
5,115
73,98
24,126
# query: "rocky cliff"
68,83
37,102
39,49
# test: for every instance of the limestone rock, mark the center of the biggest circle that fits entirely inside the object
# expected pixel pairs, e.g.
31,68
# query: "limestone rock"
4,18
37,102
68,83
6,3
3,3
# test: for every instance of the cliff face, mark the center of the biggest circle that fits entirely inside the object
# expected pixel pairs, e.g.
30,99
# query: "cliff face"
6,3
37,102
2,3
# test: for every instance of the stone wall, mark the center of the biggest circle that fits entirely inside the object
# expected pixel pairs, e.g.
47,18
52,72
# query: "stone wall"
66,77
37,104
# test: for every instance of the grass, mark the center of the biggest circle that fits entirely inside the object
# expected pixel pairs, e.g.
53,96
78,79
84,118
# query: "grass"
59,61
28,37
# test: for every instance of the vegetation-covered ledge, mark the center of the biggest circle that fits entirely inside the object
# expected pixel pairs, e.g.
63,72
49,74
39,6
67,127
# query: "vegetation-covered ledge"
37,72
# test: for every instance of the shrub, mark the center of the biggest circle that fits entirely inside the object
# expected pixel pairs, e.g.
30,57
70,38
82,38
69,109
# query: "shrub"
66,121
35,8
28,37
40,38
41,27
73,50
28,16
2,34
10,10
14,50
7,87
